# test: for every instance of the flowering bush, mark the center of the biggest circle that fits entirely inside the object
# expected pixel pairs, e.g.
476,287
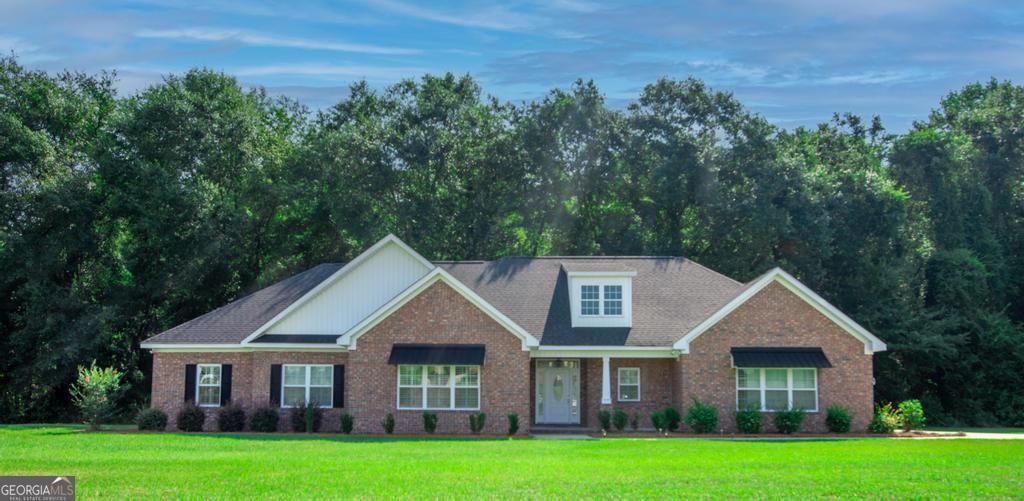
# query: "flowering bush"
96,392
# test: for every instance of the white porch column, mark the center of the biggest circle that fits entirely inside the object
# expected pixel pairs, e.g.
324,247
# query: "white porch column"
606,381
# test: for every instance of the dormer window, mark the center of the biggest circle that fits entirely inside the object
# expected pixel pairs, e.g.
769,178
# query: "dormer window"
600,298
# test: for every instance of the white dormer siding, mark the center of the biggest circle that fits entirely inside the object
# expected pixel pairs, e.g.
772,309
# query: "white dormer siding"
601,298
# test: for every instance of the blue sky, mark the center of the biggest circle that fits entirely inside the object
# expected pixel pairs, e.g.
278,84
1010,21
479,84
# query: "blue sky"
795,62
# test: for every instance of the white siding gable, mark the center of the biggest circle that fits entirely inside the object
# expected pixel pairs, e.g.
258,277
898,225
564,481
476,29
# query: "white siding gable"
356,294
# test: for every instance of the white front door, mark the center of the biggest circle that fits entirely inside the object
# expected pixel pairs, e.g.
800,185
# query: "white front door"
558,390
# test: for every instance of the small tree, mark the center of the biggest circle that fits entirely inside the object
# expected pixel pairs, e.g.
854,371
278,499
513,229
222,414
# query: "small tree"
346,423
701,418
96,392
619,419
513,423
911,414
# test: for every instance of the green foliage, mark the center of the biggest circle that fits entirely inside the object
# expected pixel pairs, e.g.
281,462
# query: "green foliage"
701,418
191,417
911,415
151,420
672,418
605,418
838,419
230,417
634,422
347,421
388,423
96,393
619,419
477,421
788,422
307,417
658,420
429,422
513,423
265,419
749,421
885,420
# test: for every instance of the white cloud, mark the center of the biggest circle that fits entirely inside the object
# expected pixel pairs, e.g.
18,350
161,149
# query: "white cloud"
495,18
330,70
249,38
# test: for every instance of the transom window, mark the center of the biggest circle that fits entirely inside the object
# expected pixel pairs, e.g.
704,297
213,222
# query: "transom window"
629,384
439,387
308,383
208,385
597,300
777,389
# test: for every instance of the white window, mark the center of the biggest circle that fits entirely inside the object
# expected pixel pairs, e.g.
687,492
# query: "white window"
208,385
590,300
613,300
629,384
439,387
601,300
777,389
307,383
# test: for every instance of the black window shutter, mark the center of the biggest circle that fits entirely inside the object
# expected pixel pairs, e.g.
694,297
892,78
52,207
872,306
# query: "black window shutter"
339,386
225,384
190,382
275,384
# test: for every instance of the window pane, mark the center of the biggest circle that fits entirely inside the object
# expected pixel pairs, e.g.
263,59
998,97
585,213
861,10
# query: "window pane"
466,398
209,374
748,378
209,395
410,375
803,399
613,307
439,398
295,374
629,376
321,375
438,375
410,397
775,378
467,375
589,304
613,300
776,400
589,308
588,292
321,396
629,392
749,399
294,396
803,378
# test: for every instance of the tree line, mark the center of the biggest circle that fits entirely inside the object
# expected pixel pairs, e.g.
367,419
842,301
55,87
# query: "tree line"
125,215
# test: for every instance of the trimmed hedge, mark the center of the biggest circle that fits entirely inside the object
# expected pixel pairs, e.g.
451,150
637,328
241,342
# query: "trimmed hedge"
151,420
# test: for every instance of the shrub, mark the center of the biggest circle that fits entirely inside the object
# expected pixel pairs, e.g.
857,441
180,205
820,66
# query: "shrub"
476,421
346,423
151,420
701,418
672,418
912,415
265,419
429,422
634,422
388,423
885,420
96,392
838,419
605,418
230,418
513,423
191,417
619,419
749,421
658,420
307,417
788,422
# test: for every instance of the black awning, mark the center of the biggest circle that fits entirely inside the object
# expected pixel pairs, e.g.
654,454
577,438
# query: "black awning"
428,354
296,338
780,357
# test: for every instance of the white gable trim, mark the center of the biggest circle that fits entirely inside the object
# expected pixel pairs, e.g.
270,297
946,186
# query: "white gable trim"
871,343
437,274
344,270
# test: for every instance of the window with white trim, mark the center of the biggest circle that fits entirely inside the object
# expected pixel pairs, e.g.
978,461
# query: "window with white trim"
601,300
307,383
629,384
208,385
439,387
777,389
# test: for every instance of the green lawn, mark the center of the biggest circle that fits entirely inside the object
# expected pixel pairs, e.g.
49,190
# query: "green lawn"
137,465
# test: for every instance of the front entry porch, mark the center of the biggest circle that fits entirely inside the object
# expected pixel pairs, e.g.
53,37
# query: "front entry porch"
557,395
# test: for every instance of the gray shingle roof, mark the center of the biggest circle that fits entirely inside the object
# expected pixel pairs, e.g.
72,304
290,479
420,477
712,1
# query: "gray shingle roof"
670,296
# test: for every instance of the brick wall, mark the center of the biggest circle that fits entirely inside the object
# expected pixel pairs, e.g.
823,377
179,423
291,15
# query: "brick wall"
777,317
439,315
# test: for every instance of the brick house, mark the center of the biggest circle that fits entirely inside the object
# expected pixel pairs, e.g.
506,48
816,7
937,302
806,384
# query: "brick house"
553,339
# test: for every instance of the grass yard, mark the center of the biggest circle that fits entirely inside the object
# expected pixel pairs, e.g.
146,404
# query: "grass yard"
123,464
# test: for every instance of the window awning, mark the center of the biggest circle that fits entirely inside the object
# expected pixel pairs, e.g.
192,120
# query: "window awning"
429,354
780,357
